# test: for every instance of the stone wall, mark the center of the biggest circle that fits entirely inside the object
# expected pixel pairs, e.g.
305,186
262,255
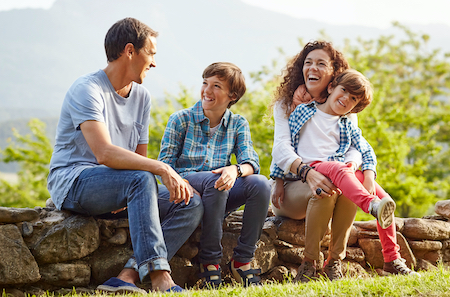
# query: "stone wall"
45,249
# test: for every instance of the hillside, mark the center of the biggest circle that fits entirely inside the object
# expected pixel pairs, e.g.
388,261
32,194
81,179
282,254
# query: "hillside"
44,51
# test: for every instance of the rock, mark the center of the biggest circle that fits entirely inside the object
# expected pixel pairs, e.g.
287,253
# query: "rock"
266,257
353,238
66,275
443,208
446,251
366,225
188,250
17,264
405,250
292,231
292,255
418,229
233,222
74,238
424,265
183,272
119,238
49,203
26,228
270,229
353,269
372,225
277,274
282,244
425,245
368,234
108,261
17,215
372,250
355,254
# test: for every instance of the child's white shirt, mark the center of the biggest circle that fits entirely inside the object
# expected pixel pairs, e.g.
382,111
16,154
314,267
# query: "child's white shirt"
319,137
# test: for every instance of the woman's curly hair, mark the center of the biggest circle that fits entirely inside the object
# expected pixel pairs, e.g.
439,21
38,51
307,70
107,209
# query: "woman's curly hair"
293,73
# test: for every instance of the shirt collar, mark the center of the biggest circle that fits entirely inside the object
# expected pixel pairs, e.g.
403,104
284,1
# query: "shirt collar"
199,115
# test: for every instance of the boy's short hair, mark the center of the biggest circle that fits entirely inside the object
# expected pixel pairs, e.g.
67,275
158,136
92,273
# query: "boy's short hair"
230,73
128,30
356,84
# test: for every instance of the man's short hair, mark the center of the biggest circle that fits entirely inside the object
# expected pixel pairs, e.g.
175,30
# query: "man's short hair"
128,30
230,73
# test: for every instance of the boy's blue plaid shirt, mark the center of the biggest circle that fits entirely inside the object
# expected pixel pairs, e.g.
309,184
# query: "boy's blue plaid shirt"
348,135
188,147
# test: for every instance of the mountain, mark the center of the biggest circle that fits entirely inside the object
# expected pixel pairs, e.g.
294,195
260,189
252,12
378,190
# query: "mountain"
44,51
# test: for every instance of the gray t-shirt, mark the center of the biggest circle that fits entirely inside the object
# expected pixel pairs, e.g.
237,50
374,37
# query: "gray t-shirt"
92,97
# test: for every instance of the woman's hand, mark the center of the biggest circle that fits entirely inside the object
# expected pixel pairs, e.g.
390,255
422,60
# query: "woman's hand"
317,180
278,193
227,178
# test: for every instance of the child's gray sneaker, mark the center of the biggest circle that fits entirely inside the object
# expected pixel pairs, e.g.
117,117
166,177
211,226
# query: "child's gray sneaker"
382,210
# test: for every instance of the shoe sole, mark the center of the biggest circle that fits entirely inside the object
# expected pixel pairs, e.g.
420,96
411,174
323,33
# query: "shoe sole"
120,290
385,210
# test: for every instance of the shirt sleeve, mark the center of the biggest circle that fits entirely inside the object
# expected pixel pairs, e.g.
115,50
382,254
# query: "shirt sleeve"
244,151
369,160
86,103
353,155
172,141
283,153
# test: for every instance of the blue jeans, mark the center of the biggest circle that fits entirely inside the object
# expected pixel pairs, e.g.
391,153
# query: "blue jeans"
253,191
158,228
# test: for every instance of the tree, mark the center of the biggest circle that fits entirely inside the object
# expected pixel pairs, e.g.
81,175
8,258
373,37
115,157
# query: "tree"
407,123
33,154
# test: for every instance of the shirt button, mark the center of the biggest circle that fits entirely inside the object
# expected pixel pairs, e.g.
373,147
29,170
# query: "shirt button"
209,146
207,161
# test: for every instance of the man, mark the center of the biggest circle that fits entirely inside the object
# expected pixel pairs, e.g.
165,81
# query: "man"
100,165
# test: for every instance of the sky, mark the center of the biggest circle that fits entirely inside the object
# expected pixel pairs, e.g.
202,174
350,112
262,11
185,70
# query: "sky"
372,13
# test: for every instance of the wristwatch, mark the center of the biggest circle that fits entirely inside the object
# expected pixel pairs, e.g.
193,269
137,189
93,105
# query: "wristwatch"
239,170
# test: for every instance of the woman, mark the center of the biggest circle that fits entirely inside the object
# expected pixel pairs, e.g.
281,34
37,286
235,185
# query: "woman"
307,77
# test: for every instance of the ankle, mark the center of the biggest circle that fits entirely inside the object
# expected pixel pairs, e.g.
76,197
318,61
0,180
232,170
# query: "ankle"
161,280
306,259
129,275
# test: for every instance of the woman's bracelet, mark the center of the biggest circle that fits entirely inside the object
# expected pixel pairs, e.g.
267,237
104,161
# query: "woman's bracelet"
298,167
304,172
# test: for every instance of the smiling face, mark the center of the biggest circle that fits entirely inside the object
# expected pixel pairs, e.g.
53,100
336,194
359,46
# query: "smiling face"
317,72
214,94
143,60
340,101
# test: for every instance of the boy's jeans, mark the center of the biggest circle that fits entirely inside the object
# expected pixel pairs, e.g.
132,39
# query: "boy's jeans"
158,228
253,191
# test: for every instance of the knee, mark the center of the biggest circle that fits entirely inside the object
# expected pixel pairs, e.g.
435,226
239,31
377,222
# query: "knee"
259,183
196,206
144,179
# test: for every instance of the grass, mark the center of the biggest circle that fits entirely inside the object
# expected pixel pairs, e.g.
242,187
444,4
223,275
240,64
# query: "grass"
430,284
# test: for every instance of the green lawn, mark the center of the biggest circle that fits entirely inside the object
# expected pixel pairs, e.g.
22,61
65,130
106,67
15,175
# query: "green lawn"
431,283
